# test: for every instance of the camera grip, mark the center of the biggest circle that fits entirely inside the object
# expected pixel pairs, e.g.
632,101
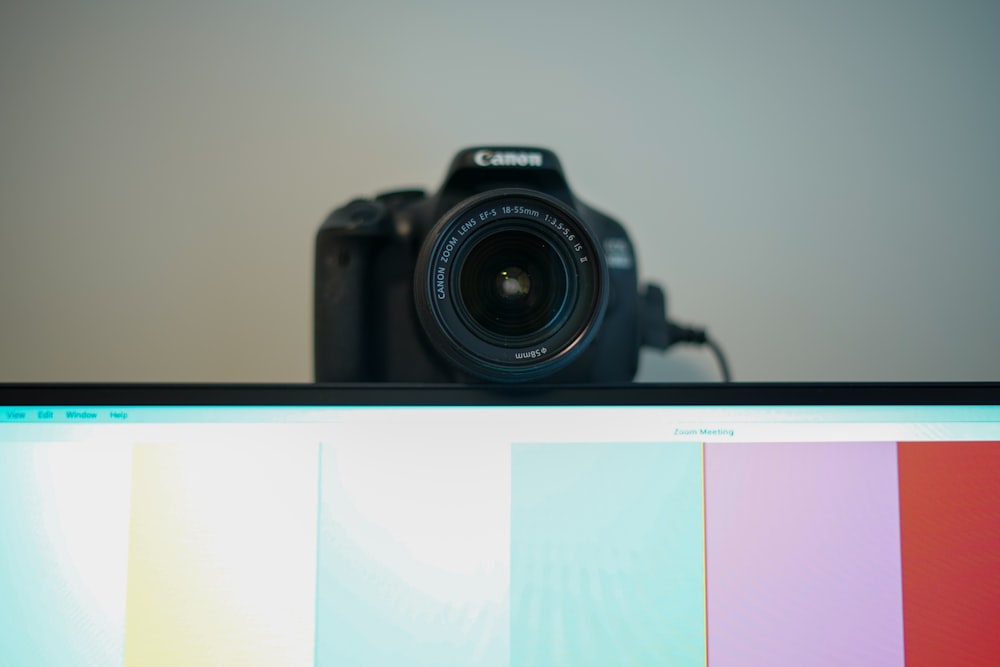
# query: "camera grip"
346,248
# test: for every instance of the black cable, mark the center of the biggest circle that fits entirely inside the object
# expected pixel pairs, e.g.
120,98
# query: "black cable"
677,333
660,333
721,358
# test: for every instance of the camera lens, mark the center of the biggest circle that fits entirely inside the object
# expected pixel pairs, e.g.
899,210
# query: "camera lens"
510,285
513,286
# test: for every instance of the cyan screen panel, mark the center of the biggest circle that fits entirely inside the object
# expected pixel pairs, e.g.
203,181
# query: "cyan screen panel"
607,554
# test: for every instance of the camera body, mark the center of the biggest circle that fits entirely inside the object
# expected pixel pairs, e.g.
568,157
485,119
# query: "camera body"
502,275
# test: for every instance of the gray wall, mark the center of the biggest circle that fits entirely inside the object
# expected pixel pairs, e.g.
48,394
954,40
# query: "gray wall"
817,182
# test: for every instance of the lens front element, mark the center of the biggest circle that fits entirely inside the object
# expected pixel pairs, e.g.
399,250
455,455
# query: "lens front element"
514,285
510,285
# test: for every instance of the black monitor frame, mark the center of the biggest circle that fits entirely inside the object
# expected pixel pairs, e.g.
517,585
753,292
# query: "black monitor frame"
780,394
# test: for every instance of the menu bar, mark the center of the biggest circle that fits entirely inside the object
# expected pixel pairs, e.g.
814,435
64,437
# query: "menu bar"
699,419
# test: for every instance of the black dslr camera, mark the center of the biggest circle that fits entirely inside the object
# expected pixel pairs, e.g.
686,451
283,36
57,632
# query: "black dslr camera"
501,275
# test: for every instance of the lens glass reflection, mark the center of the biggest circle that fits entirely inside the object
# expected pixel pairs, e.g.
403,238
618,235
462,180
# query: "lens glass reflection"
513,284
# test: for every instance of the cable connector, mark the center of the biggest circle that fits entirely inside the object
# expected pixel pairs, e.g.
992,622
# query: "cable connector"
657,331
682,334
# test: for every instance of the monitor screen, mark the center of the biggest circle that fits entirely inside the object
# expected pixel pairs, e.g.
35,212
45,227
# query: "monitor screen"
747,526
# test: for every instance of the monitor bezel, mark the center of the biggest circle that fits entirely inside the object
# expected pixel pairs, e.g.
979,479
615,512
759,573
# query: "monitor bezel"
638,394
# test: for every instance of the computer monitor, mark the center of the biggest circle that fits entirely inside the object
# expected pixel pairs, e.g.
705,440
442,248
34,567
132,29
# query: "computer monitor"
749,525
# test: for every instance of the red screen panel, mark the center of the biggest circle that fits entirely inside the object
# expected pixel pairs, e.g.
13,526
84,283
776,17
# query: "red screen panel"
950,531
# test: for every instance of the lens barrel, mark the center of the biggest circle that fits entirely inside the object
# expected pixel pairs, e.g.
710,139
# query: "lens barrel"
510,285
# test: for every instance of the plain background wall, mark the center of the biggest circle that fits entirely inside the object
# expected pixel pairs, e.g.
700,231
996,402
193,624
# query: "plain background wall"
818,183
